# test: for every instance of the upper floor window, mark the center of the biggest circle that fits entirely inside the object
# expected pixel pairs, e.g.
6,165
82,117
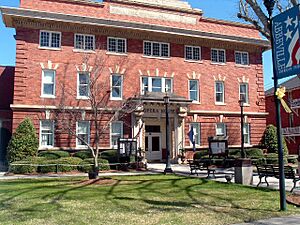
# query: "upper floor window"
83,133
218,55
116,132
247,133
196,132
83,85
116,86
192,53
157,84
48,83
221,129
242,58
117,45
194,90
244,92
46,133
50,39
219,92
156,49
84,42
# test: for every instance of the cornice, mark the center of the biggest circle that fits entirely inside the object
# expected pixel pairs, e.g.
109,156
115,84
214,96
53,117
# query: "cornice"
14,14
206,112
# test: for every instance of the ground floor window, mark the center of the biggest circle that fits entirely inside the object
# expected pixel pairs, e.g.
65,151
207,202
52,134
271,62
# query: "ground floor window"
195,127
46,133
116,132
221,129
83,133
247,133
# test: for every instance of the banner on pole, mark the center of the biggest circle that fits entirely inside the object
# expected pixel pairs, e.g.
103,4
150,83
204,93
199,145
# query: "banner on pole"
286,43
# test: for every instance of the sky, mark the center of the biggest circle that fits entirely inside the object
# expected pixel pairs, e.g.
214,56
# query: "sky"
220,9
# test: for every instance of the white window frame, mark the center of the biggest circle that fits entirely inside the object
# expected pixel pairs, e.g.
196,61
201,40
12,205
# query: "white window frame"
78,84
50,38
218,57
193,57
160,49
53,134
247,92
197,141
77,133
84,37
115,134
163,84
116,39
248,133
223,93
242,62
43,82
111,86
223,127
198,90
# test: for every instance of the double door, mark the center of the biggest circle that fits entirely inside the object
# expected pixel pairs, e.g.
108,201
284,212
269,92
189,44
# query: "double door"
153,146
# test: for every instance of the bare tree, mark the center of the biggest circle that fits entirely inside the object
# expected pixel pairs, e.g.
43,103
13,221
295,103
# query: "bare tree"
96,108
254,12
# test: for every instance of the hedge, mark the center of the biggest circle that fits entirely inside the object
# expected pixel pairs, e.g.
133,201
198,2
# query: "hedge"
54,154
200,154
110,155
85,166
292,159
83,154
272,158
23,169
67,164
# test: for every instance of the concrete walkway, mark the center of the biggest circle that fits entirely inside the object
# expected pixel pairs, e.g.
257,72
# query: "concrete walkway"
287,220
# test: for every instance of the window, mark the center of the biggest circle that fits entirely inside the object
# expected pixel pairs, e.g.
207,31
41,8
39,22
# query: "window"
221,129
291,119
116,86
48,83
242,58
218,56
219,91
194,90
247,133
244,92
83,87
84,42
156,49
50,39
46,133
192,53
83,133
156,84
116,133
117,45
196,128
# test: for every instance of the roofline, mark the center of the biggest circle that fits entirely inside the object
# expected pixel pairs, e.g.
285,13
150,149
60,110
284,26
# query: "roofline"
9,12
227,22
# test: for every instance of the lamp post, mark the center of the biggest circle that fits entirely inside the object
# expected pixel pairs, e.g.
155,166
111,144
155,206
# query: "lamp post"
269,4
168,168
241,102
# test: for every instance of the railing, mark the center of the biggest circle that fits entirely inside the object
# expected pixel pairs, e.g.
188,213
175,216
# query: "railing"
291,131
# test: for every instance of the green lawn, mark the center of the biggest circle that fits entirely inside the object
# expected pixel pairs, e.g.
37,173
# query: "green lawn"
155,199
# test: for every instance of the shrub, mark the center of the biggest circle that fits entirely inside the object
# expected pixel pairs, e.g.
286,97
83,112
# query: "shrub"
110,155
54,154
30,165
269,140
200,154
83,154
65,164
24,142
272,158
254,153
235,153
292,159
87,165
259,161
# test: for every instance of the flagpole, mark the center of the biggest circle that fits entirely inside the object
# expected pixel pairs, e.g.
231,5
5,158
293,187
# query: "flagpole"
270,5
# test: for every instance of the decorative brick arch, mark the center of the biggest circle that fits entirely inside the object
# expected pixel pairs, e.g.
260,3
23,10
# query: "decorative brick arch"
156,73
193,76
117,70
219,77
243,80
49,65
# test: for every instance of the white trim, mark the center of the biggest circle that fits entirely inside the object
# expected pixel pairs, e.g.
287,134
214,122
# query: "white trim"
193,60
88,133
78,96
223,93
241,64
49,43
163,84
227,112
122,132
116,39
42,84
198,90
218,62
40,135
160,49
248,132
84,36
121,87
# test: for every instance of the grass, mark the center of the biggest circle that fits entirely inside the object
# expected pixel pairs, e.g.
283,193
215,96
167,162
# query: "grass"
152,199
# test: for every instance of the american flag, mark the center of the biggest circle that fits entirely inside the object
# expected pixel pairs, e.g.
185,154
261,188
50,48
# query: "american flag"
292,40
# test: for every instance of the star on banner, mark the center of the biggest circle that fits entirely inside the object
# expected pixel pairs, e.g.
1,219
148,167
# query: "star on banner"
288,21
288,34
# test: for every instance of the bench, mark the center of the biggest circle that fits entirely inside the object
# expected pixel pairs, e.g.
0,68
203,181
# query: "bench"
273,171
199,165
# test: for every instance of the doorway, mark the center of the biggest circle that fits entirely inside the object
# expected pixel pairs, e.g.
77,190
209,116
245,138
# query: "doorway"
153,146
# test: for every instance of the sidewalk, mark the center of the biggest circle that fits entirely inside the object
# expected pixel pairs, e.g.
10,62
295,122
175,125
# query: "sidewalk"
288,220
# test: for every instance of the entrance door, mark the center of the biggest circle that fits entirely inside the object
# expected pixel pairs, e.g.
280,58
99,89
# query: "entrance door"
153,146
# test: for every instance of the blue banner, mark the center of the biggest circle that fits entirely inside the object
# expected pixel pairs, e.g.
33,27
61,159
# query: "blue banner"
286,43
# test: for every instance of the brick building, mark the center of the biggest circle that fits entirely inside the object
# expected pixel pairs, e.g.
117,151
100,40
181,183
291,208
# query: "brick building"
149,50
290,122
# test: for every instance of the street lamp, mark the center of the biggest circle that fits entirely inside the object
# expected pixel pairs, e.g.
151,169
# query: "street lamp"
241,102
168,168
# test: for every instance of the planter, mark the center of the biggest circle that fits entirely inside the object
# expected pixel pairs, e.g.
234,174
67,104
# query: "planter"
93,175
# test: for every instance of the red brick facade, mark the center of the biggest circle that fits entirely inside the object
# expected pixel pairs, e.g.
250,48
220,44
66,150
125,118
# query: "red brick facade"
31,59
